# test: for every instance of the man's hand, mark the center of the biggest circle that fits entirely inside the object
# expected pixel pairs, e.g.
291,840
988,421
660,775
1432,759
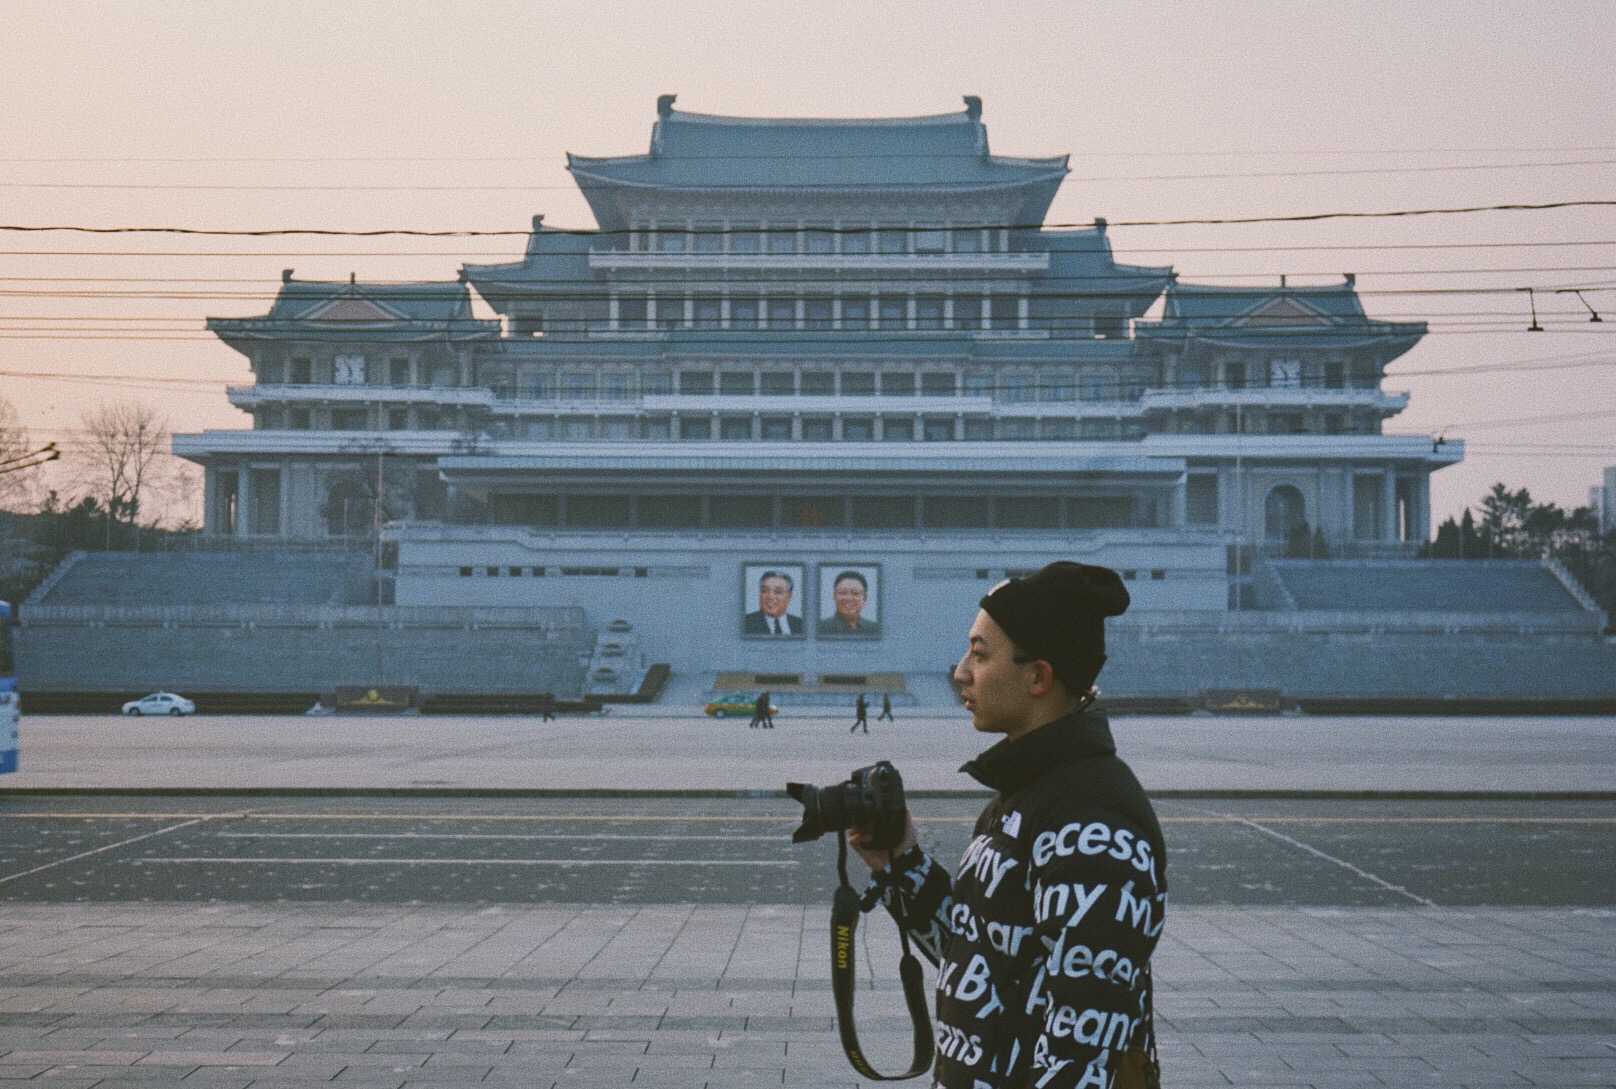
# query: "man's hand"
880,860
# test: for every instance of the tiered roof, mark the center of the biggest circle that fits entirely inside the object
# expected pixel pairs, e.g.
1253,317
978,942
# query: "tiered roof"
1328,316
353,311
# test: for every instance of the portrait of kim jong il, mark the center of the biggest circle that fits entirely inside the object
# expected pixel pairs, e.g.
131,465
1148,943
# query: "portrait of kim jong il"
849,601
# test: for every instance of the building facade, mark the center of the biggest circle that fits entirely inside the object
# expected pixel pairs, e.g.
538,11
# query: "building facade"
816,348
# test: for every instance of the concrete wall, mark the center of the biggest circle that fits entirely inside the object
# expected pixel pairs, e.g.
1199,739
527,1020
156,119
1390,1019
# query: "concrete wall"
685,598
293,649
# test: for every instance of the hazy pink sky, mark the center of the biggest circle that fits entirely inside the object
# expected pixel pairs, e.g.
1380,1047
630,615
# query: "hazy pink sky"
364,115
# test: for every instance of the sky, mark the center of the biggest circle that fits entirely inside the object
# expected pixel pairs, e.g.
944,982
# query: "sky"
370,115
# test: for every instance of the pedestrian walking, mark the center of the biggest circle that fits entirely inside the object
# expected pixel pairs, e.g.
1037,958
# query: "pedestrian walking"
547,707
861,710
762,716
886,708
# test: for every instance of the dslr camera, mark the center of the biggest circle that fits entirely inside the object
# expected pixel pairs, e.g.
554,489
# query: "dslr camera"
871,800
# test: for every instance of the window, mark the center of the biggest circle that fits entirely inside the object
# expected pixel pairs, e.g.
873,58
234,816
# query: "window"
1110,326
1098,430
858,383
735,428
429,419
1285,373
1026,512
615,386
670,313
707,313
670,241
618,428
968,312
937,384
670,511
348,370
897,383
782,241
348,419
598,511
978,430
398,372
778,383
860,429
657,383
968,240
745,241
929,312
1016,388
817,314
631,312
575,430
695,383
270,372
302,371
267,419
743,314
816,429
1096,387
954,512
777,428
893,240
978,384
1057,387
818,383
398,419
820,241
813,512
1201,499
1335,375
577,387
894,313
695,427
735,383
898,430
740,511
708,239
855,313
1234,374
1057,430
782,313
938,430
1015,430
883,511
656,428
856,242
1004,311
1100,512
931,240
522,510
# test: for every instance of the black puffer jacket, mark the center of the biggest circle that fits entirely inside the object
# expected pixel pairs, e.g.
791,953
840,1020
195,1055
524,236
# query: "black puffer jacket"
1042,939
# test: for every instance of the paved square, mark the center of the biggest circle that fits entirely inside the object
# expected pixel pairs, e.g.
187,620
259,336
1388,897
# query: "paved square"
231,996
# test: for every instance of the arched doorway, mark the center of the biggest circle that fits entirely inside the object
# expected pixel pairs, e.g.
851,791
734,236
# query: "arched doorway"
1284,515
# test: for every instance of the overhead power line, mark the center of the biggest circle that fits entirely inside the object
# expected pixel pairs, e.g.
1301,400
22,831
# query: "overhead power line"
469,233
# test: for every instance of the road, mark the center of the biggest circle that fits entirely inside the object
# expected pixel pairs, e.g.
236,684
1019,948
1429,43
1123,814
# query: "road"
1284,852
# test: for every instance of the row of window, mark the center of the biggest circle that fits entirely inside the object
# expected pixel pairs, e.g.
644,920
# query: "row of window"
883,313
861,239
620,385
893,512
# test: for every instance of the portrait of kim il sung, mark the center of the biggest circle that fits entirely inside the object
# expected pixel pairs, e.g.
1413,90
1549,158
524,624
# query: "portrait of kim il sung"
772,596
849,601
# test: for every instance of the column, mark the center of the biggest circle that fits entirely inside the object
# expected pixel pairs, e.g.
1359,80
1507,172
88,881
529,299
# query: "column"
1388,504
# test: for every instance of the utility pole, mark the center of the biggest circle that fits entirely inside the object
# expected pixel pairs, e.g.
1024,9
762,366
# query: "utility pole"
376,556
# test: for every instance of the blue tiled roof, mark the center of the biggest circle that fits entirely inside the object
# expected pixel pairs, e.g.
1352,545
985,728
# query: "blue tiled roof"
1329,316
1080,264
333,310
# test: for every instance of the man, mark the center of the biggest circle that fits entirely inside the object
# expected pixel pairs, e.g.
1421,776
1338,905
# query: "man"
849,594
886,708
861,714
774,598
762,712
1043,938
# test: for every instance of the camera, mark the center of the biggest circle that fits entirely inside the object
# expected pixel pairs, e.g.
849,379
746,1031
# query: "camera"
871,800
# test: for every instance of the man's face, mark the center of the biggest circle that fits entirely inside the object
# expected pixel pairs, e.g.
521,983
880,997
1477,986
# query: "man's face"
996,688
774,594
850,598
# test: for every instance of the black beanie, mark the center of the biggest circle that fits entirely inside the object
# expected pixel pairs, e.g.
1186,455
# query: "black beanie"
1058,615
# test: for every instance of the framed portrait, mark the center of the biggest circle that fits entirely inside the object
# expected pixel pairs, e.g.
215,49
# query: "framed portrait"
849,601
774,599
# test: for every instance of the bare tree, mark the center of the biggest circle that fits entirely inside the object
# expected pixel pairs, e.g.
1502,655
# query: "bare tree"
125,439
19,459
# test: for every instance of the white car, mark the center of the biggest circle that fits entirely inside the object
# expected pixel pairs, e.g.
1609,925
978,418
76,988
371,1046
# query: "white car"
160,703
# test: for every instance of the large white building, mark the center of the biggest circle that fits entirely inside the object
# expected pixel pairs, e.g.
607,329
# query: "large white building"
809,348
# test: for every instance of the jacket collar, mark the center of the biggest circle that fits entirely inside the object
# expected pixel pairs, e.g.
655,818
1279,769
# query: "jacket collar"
1013,764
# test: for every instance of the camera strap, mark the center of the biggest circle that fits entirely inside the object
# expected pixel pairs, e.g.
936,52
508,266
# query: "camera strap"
844,917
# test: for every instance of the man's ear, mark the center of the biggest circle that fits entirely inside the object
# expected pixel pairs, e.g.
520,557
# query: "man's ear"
1043,678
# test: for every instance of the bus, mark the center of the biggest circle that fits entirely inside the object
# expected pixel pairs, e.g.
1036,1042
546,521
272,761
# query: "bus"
10,709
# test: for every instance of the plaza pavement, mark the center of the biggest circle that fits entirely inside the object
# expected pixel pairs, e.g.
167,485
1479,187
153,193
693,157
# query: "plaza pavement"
230,996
